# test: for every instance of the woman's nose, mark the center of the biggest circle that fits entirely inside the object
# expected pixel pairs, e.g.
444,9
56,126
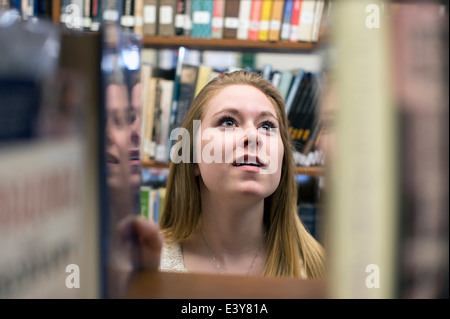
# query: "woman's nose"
251,137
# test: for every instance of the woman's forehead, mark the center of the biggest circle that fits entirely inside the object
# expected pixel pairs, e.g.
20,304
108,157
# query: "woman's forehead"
239,97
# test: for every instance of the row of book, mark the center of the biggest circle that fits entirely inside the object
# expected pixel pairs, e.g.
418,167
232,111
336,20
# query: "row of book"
262,20
29,9
152,202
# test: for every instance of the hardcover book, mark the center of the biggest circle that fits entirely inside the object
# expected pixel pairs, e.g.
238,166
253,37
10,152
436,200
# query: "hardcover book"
202,11
285,32
255,18
150,17
264,22
217,19
306,22
166,17
276,20
295,20
231,19
244,19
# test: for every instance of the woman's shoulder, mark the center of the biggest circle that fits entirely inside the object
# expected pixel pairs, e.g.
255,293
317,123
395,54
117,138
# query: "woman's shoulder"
172,257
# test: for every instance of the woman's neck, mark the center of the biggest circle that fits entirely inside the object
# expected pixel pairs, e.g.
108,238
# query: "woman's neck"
232,226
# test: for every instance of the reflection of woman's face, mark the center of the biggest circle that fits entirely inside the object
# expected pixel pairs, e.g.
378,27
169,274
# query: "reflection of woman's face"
123,138
135,134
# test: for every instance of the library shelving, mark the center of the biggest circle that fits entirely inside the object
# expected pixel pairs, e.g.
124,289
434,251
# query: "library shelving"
160,285
353,221
223,44
228,44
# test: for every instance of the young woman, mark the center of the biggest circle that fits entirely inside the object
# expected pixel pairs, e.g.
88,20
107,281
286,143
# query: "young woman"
232,207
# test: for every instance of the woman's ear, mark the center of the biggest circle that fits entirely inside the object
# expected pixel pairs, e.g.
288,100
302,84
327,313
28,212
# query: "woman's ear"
196,170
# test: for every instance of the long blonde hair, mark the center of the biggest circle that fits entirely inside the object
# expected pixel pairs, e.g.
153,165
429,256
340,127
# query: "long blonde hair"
288,242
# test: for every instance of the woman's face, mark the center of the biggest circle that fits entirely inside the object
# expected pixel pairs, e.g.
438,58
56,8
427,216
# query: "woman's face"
240,147
123,135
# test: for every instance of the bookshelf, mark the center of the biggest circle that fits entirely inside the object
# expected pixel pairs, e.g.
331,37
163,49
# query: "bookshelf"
255,46
167,285
414,176
227,44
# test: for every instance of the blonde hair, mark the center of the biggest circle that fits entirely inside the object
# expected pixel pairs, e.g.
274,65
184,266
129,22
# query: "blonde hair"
288,242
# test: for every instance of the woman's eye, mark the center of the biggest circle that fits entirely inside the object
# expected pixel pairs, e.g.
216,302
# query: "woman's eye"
116,120
267,125
228,122
131,115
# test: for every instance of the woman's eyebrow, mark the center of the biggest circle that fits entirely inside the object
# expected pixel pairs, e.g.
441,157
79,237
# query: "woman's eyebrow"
267,113
235,111
231,110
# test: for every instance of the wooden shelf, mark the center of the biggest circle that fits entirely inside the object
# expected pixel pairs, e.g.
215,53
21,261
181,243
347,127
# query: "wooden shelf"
226,44
164,285
311,171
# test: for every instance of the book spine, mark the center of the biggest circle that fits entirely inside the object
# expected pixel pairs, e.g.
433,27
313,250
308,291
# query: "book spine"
276,19
299,111
127,18
296,12
144,192
96,14
285,83
204,73
162,151
317,20
188,80
293,90
156,128
176,94
166,17
149,112
201,18
231,20
180,17
309,113
306,21
287,17
87,15
217,19
244,19
264,23
187,27
255,17
138,17
111,10
150,17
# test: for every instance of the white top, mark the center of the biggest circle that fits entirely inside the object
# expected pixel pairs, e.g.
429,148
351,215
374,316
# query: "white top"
172,259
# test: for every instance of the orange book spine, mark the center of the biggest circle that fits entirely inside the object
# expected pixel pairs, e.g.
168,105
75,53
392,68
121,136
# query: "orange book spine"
255,17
